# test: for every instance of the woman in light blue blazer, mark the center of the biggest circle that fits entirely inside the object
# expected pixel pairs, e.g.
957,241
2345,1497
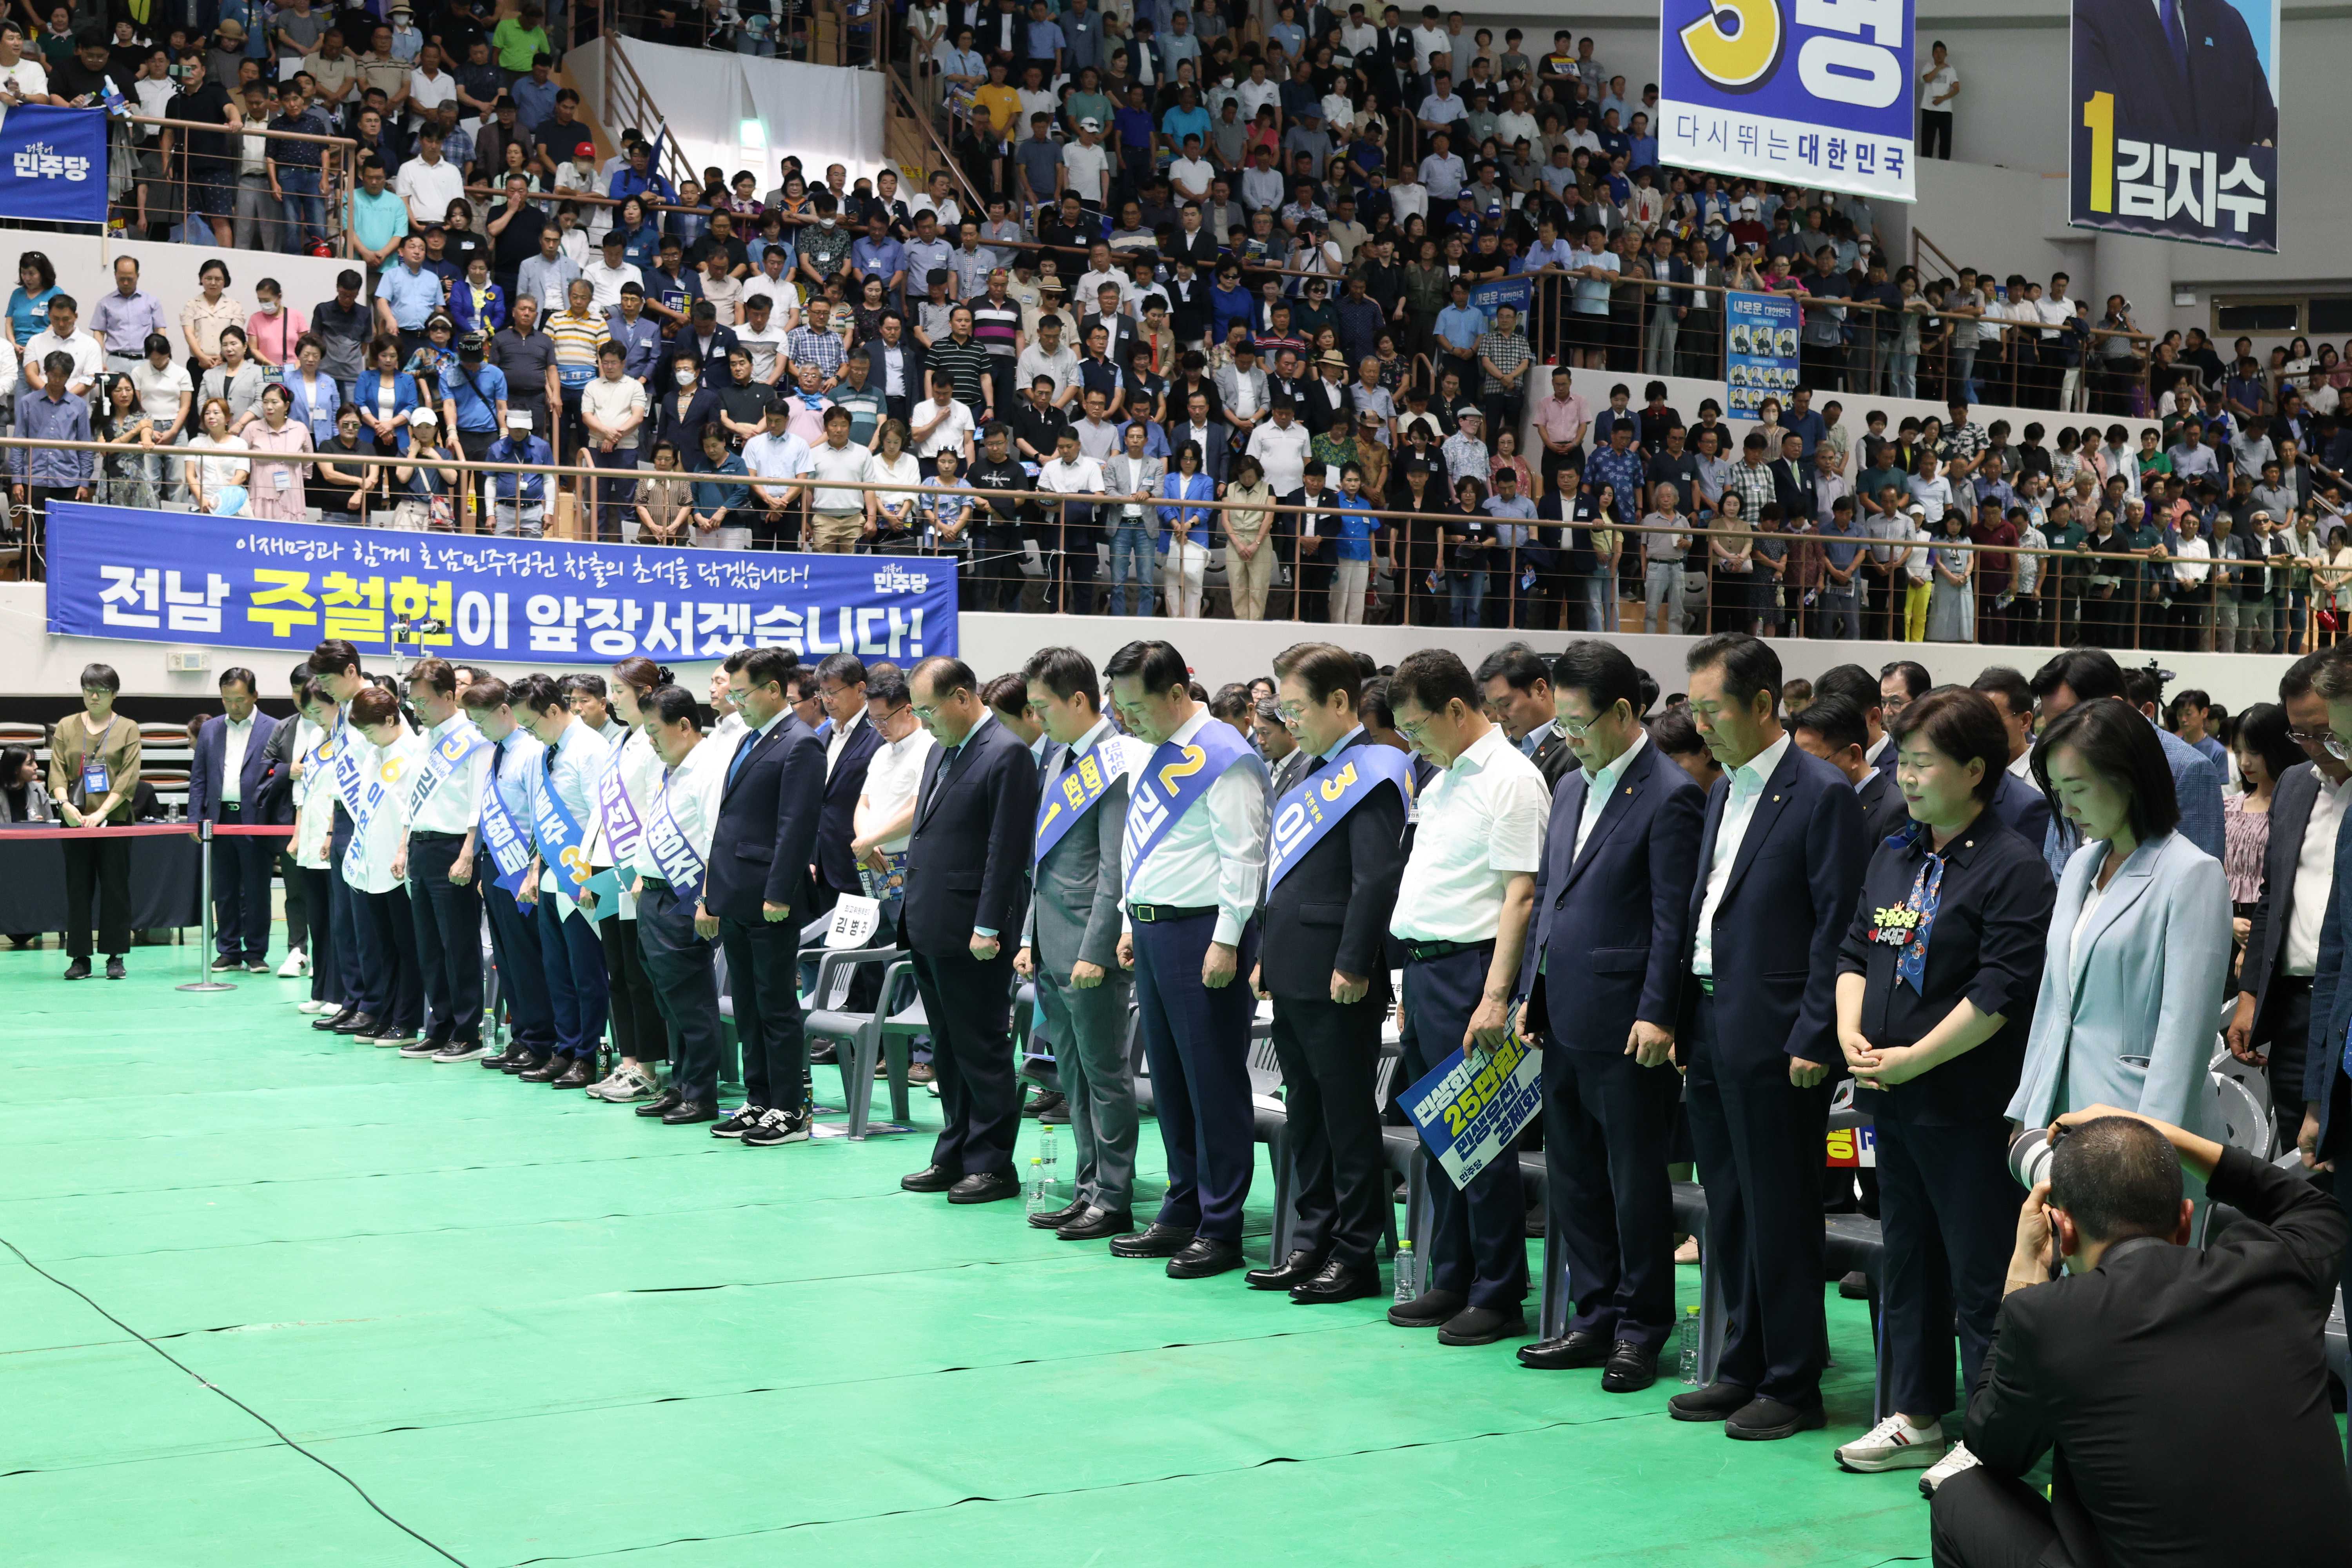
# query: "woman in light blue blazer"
2139,939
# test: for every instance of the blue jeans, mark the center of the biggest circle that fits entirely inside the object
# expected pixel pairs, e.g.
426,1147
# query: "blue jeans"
1132,559
305,209
1468,591
1905,375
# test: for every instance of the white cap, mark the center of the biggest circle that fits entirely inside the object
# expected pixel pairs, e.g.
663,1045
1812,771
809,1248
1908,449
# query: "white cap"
423,416
1469,411
516,419
1090,124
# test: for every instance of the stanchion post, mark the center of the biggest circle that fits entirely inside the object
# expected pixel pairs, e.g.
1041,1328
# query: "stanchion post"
204,981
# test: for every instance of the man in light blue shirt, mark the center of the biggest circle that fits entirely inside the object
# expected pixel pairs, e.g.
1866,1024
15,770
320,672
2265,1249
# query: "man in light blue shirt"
1440,107
1459,326
875,253
570,949
514,936
407,296
1840,605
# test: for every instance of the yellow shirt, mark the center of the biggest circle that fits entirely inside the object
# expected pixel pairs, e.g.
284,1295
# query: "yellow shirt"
1004,106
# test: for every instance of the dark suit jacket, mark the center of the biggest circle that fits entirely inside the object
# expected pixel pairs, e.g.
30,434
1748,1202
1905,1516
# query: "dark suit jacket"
2112,1368
1618,915
838,826
1554,760
2024,808
2331,998
254,778
767,821
1333,907
2226,101
716,372
876,378
1215,440
1792,487
968,862
2291,804
1784,912
1883,812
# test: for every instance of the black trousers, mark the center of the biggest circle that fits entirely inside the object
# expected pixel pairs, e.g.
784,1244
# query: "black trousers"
2285,1039
298,898
326,973
1070,566
392,989
969,1002
523,969
448,917
762,963
1759,1142
341,904
637,1030
241,890
1947,1208
1934,134
1330,1054
1609,1225
685,982
1197,1041
102,865
1477,1243
1979,1520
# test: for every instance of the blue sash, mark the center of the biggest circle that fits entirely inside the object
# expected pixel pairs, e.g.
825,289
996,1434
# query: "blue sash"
347,769
509,844
682,867
1073,794
372,797
1316,805
624,827
562,843
1172,780
449,753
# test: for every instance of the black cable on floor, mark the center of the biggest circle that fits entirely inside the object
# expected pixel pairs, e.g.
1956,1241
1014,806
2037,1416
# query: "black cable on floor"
274,1430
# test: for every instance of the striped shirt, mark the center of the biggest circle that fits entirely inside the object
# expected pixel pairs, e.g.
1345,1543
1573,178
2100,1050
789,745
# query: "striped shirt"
965,363
576,339
996,325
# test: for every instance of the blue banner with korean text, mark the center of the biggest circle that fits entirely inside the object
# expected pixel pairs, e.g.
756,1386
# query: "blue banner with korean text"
53,164
1489,298
169,576
1470,1109
2175,120
1815,92
1760,351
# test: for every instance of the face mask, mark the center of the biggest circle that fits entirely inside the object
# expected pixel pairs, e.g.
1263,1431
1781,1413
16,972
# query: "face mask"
270,307
825,222
684,376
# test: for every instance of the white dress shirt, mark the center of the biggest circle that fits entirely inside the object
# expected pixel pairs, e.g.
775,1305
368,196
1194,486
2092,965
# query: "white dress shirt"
579,757
2315,879
640,771
893,777
1747,782
1214,853
838,742
314,799
392,767
1871,753
456,805
1600,786
690,792
2023,766
234,740
1482,823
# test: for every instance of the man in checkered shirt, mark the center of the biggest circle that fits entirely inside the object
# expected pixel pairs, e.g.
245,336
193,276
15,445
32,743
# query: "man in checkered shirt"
1504,354
815,343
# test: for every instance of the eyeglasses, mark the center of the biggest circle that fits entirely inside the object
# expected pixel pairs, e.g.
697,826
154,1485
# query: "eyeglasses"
2326,740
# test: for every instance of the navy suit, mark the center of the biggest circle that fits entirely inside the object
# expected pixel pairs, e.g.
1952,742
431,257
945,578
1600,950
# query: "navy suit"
1759,1139
2327,1083
1617,914
2224,102
2022,808
967,871
240,865
1883,810
837,868
767,820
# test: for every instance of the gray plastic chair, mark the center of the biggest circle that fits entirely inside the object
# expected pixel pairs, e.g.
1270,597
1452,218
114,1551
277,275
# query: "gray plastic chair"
858,1035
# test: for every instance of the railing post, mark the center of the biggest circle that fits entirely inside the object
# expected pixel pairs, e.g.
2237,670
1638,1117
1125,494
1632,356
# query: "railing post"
204,981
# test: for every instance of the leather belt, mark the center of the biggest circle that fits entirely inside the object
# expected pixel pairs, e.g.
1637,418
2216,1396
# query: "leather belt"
430,837
648,884
1430,951
1153,914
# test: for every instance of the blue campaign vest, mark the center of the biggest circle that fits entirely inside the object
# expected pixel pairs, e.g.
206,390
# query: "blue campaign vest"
1315,806
1073,794
509,844
1172,780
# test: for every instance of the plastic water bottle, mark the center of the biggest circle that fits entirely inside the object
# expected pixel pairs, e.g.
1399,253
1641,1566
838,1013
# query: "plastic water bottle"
1408,1272
1035,1192
1689,1366
1050,1160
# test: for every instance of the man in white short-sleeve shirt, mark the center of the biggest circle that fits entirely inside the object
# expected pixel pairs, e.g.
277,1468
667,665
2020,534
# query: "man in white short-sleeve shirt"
1461,913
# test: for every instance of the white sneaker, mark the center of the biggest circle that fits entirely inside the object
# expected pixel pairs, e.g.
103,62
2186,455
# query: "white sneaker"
316,1007
1894,1444
1956,1459
610,1080
297,965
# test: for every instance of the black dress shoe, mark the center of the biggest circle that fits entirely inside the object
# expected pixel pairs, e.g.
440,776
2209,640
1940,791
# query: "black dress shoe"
529,1063
1576,1348
508,1060
1535,1225
329,1023
930,1179
1854,1287
1204,1258
1097,1224
1765,1420
1428,1310
1049,1100
578,1074
824,1054
80,970
114,970
357,1024
1295,1270
1715,1401
1054,1219
1337,1283
985,1187
548,1071
1481,1326
1629,1370
668,1100
684,1112
1157,1240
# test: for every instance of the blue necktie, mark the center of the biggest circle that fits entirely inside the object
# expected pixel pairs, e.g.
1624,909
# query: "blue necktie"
2173,38
742,752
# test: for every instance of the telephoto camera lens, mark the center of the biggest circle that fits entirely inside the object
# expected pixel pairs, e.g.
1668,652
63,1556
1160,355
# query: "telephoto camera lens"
2030,1154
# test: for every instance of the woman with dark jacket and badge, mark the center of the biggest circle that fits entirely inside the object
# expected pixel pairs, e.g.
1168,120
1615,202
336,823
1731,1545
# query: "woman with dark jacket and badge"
1936,983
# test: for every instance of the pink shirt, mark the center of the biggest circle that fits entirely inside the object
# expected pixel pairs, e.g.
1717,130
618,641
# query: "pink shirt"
271,339
274,490
1561,419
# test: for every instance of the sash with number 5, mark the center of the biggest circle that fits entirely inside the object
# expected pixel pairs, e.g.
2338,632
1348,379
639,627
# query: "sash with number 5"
508,845
1082,784
1172,780
1316,805
563,842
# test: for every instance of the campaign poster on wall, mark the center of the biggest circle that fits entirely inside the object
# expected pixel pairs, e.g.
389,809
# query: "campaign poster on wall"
1812,92
1760,351
2176,120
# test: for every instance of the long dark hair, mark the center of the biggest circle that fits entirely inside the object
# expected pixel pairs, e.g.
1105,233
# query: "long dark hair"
2121,746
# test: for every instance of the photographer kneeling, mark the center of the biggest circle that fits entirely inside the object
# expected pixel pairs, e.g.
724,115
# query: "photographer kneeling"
2149,1359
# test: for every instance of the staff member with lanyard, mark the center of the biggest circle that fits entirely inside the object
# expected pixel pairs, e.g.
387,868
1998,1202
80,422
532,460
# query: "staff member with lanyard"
93,773
1936,981
667,862
516,758
444,900
1462,912
624,791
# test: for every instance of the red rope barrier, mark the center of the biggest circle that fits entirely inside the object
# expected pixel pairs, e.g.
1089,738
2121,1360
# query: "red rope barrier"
145,830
